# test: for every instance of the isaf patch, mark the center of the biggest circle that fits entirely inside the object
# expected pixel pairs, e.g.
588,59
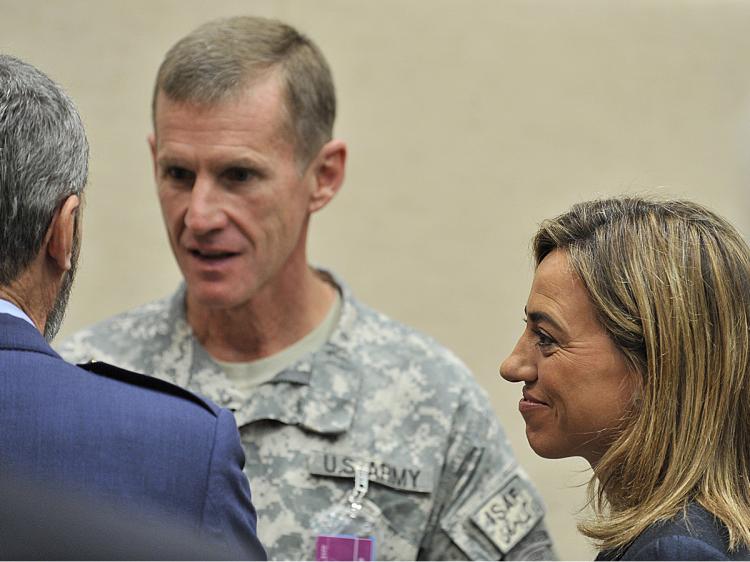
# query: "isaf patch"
508,515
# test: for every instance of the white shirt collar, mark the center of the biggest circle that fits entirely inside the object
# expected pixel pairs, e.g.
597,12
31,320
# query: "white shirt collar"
7,307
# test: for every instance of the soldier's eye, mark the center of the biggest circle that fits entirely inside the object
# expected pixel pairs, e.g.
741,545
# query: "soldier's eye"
240,175
178,174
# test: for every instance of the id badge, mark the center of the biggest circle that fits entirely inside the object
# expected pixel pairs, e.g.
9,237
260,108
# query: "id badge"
348,531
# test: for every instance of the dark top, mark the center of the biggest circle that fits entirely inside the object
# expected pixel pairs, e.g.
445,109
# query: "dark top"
124,439
697,535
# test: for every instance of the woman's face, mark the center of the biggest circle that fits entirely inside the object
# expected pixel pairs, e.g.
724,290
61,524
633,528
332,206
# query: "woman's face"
577,385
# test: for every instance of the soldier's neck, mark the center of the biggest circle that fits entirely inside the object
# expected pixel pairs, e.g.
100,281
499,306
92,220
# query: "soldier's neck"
271,321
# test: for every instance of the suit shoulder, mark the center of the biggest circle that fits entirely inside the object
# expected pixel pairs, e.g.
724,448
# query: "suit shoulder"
676,547
693,534
148,382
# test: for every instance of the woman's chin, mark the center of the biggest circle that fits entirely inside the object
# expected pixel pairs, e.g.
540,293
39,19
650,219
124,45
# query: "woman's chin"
547,448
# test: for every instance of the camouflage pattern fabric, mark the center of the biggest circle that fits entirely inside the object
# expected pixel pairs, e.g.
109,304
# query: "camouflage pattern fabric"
444,483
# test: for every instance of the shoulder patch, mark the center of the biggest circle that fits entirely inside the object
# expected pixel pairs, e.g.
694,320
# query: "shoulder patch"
509,515
144,381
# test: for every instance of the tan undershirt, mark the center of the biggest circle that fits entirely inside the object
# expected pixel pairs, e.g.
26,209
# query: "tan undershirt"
248,375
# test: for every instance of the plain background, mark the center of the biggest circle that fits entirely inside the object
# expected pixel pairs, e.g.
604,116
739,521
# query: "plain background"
468,123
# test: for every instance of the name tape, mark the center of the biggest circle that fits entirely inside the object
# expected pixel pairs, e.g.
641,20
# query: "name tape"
407,478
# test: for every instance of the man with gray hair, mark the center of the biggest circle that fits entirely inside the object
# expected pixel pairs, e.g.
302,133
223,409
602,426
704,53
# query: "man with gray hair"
109,437
360,433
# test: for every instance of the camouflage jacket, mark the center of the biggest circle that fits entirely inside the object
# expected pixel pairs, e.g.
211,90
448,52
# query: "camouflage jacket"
444,483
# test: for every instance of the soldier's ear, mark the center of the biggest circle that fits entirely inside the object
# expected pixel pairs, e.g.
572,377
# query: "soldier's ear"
329,168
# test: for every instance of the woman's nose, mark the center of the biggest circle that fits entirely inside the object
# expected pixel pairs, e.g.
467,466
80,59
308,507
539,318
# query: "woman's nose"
519,365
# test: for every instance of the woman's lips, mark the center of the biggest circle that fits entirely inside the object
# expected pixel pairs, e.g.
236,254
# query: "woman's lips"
530,403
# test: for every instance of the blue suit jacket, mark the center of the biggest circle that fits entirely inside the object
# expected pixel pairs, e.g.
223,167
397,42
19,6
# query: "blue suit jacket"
697,535
127,439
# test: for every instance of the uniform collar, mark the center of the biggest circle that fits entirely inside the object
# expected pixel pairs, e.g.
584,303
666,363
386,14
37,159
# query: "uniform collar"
317,393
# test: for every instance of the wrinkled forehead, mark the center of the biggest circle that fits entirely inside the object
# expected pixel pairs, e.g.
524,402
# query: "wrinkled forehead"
267,87
262,101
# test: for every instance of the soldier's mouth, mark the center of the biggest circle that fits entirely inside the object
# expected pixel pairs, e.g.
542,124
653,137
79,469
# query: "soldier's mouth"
211,255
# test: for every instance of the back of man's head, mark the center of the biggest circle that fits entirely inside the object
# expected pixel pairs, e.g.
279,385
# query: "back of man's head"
222,58
43,160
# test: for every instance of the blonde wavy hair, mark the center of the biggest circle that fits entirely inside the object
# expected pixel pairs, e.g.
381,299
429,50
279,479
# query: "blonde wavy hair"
670,281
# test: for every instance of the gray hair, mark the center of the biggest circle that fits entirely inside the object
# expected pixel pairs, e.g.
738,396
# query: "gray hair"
221,58
43,160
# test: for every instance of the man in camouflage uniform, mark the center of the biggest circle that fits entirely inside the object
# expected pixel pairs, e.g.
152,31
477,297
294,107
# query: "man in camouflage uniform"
323,387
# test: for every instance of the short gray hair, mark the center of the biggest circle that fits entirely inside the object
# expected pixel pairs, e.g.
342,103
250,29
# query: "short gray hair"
221,58
43,160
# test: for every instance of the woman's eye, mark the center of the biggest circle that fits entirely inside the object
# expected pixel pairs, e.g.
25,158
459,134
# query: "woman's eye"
544,340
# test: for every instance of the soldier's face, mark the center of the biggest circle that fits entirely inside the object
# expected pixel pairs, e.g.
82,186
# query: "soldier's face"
234,202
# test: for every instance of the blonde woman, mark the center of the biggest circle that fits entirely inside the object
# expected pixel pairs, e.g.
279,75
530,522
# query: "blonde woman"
636,357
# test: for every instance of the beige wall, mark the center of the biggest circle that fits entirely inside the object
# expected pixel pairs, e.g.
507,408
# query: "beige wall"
468,123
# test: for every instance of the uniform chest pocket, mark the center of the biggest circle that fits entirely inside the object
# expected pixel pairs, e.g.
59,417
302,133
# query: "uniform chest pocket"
399,497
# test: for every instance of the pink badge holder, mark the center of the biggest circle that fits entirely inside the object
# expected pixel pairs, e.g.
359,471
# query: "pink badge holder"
348,531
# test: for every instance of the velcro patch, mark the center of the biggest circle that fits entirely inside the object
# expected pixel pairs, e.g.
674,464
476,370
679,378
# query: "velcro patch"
508,515
407,478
